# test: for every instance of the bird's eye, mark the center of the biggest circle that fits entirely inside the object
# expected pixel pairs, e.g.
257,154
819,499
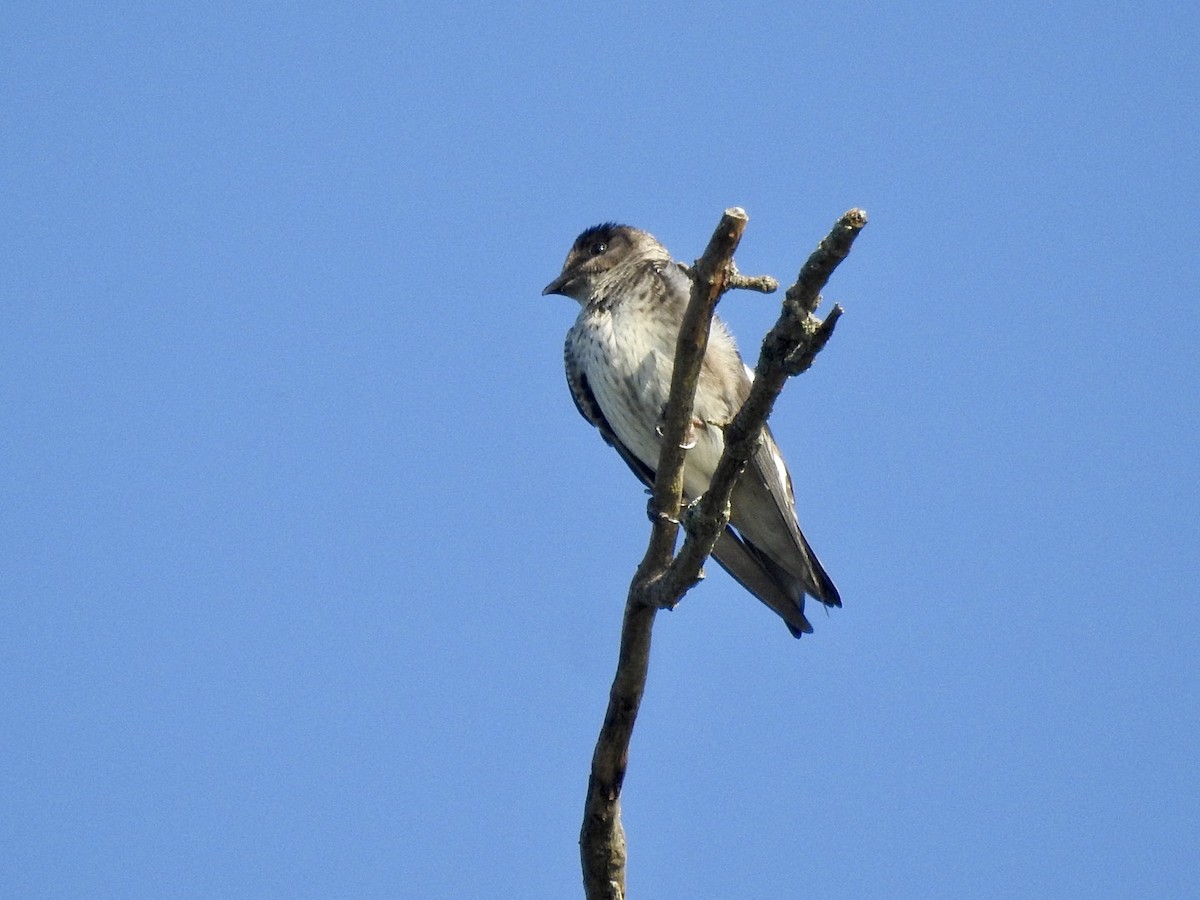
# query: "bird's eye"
598,248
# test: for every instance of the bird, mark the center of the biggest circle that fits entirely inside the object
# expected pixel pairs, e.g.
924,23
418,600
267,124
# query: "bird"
619,357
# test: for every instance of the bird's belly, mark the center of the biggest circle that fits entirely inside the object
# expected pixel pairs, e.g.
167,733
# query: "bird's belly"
631,380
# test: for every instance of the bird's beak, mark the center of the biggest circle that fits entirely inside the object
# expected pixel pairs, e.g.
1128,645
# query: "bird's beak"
557,286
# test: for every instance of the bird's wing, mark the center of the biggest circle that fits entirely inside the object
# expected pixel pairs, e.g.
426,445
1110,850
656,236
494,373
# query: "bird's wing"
764,507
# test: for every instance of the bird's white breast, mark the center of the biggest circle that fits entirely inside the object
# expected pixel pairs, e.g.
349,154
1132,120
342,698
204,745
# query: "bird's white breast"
628,362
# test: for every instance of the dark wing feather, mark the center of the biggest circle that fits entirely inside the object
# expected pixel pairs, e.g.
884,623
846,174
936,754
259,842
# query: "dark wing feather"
763,511
764,514
754,572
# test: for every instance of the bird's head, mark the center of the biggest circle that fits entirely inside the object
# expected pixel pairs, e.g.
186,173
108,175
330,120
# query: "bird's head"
597,252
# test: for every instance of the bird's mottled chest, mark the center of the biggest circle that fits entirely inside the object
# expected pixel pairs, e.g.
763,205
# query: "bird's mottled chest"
627,361
629,350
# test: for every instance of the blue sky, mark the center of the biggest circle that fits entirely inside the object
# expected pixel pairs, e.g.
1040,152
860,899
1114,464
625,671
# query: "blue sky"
312,576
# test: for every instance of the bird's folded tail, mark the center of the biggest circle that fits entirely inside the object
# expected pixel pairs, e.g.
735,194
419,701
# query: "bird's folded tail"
765,580
825,591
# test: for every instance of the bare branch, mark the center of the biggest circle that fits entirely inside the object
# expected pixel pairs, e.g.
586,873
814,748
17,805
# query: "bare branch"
710,276
663,578
602,838
829,253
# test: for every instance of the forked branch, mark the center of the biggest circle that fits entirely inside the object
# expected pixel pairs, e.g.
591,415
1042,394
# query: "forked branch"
663,577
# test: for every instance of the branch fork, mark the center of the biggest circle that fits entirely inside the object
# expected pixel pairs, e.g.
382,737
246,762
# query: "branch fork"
664,576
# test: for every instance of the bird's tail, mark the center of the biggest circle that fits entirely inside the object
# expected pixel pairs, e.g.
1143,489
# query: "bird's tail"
764,579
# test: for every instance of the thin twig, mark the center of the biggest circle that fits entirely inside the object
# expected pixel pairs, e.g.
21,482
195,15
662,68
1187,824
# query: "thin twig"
764,284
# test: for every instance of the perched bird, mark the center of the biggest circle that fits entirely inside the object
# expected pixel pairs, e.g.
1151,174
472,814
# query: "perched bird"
619,357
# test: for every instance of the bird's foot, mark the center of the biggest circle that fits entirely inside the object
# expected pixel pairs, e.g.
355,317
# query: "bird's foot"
654,514
689,436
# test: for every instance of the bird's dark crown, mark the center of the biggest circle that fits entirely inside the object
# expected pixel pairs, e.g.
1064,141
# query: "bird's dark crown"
599,233
599,239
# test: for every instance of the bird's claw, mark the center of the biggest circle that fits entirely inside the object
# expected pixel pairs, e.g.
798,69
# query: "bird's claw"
689,436
654,514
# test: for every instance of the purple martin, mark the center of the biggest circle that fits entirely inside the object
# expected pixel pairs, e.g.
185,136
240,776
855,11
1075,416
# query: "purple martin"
619,357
